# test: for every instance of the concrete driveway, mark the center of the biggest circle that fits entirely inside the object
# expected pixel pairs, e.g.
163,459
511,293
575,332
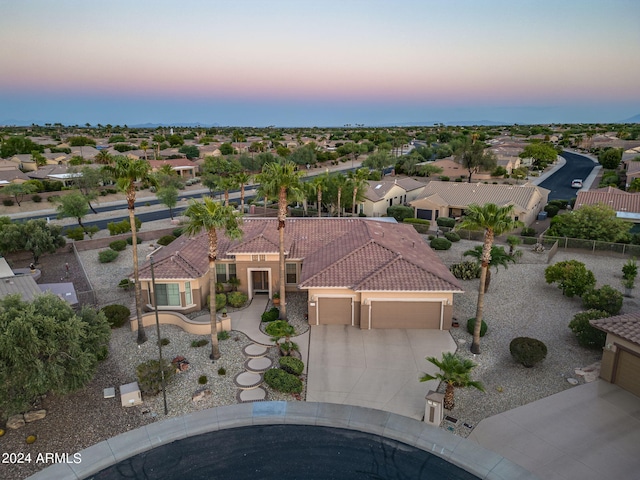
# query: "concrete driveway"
590,432
373,368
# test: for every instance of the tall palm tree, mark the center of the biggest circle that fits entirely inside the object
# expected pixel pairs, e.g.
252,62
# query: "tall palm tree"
455,372
226,184
317,184
242,179
144,146
340,182
281,180
494,220
499,258
103,157
358,181
212,216
127,172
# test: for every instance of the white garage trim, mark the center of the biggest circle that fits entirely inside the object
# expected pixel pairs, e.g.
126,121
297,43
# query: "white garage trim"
442,301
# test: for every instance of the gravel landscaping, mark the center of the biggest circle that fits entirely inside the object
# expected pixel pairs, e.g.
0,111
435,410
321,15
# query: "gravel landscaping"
518,303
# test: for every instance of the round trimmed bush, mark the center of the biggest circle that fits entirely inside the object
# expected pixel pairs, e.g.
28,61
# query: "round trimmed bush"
446,222
552,210
291,365
471,323
202,379
237,299
452,236
150,377
177,232
527,351
165,240
282,381
588,336
440,244
107,256
116,315
130,240
270,315
118,245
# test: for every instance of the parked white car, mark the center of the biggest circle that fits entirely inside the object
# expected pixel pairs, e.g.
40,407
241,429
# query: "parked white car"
577,183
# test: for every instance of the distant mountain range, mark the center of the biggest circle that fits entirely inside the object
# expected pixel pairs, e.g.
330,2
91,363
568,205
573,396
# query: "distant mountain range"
634,119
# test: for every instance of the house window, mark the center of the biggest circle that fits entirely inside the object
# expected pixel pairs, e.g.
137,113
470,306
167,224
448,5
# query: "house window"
188,300
232,270
291,272
258,258
221,273
168,294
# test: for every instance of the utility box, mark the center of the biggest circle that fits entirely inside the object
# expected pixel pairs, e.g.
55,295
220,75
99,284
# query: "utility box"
434,410
542,215
130,394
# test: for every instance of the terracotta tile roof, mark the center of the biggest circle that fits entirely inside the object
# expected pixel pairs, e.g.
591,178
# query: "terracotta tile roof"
173,162
619,200
625,326
336,252
461,194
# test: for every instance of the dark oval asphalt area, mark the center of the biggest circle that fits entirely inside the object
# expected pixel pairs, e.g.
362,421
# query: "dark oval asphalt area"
285,452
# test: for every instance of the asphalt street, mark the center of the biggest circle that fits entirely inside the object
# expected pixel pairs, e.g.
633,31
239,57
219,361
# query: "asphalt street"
576,166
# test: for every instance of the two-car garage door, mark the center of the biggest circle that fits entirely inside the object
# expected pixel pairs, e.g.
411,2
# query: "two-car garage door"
627,373
390,314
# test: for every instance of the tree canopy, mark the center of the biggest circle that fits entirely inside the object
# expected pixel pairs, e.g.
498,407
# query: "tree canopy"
610,158
541,153
474,157
46,347
35,236
590,222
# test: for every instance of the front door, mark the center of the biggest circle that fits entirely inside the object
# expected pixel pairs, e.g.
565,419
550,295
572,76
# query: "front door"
260,280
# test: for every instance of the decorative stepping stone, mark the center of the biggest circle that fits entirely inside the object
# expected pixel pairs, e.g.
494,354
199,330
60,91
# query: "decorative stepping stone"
258,365
248,380
253,395
254,350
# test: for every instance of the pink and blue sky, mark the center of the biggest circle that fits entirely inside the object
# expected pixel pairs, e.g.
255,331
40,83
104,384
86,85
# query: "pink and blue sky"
319,62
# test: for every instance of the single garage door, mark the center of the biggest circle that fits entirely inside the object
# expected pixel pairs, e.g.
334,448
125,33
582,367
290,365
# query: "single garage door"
405,314
628,371
424,214
334,311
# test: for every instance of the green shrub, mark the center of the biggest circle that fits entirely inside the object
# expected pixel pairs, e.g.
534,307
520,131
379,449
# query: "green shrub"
606,299
471,323
572,277
116,314
528,232
222,371
118,245
76,233
271,315
177,232
150,376
420,225
440,244
465,270
527,351
129,240
165,240
282,381
221,301
444,178
202,379
7,202
199,343
223,335
164,342
552,210
123,226
125,284
107,256
237,299
446,222
452,236
400,212
291,365
561,204
36,198
588,336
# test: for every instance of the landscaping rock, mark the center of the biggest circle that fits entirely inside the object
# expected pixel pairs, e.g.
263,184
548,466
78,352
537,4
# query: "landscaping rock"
201,395
16,421
34,415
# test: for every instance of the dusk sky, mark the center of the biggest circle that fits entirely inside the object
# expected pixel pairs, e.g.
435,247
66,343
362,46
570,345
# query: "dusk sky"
318,63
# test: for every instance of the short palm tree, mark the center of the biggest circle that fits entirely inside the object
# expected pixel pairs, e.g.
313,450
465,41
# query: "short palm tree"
126,173
281,180
359,183
211,216
499,258
494,220
455,372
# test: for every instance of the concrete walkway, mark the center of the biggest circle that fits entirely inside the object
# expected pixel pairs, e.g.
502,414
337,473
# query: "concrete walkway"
590,432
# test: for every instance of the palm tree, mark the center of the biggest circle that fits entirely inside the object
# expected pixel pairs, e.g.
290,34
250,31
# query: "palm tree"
455,372
126,173
226,184
144,146
281,180
211,216
358,181
494,220
317,184
242,179
103,157
499,258
340,182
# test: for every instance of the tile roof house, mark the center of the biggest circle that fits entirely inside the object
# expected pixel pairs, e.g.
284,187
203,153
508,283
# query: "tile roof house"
449,199
621,354
358,272
382,194
626,204
184,167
